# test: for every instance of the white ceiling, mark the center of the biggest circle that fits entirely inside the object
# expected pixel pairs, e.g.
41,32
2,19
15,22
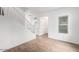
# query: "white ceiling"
40,9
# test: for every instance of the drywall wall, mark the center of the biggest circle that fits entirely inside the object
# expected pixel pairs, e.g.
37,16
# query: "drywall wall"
13,32
73,22
43,28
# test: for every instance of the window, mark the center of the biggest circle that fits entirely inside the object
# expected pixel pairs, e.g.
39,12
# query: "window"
63,24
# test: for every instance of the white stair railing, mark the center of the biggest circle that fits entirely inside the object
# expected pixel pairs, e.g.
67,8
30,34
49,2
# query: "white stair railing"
18,12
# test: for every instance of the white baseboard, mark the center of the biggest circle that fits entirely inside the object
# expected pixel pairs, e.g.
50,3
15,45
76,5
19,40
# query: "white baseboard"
64,40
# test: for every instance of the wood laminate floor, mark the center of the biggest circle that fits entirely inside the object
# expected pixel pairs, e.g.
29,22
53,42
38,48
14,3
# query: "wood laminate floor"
44,44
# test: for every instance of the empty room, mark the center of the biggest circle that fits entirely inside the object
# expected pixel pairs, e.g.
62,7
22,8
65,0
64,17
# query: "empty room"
39,29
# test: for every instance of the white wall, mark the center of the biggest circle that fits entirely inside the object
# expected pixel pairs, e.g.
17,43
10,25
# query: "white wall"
43,29
13,32
73,35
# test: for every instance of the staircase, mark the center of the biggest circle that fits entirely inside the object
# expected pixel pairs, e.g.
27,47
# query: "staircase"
15,29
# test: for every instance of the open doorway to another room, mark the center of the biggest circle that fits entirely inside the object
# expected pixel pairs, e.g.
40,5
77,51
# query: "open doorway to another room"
43,27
